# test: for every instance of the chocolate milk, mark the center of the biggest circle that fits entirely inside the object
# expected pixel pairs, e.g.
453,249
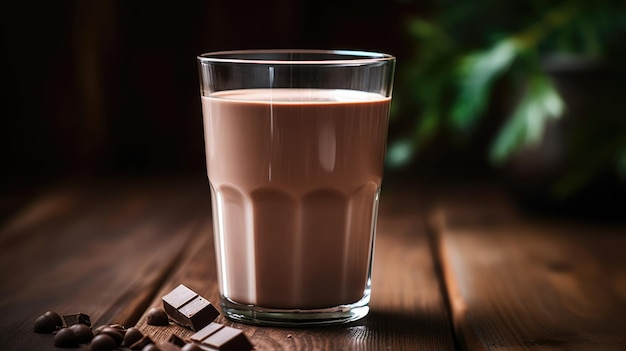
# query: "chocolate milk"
295,176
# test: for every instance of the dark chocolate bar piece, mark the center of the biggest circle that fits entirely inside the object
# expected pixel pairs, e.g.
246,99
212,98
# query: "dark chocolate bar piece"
189,309
77,318
218,337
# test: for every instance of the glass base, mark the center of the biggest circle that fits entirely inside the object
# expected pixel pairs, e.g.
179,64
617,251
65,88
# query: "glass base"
256,315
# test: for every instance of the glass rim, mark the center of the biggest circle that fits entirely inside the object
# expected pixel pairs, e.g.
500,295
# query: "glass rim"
343,57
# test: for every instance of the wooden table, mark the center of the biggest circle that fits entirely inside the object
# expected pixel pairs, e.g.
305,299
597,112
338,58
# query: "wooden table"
454,269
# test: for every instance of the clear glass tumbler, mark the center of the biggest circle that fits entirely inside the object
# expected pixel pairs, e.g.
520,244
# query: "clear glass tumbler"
295,142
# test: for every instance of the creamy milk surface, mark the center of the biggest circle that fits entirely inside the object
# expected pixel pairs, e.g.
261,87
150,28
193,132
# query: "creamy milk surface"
295,176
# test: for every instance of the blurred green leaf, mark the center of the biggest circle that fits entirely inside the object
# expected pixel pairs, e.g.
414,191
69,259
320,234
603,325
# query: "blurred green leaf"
540,103
477,72
464,50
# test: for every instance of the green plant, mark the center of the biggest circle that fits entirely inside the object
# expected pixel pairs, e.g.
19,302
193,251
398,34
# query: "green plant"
469,48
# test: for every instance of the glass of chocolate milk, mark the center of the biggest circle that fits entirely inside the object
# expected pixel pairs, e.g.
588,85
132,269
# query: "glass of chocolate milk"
295,142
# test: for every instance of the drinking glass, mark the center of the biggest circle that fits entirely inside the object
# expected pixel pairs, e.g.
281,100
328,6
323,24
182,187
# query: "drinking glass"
295,143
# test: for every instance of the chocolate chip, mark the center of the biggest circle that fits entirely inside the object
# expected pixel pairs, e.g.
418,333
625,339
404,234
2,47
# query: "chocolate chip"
83,333
151,347
44,325
65,338
132,336
114,334
102,342
55,317
157,316
120,328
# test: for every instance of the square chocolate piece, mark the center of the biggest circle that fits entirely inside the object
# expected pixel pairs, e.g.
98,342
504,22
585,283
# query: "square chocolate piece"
218,337
189,309
77,318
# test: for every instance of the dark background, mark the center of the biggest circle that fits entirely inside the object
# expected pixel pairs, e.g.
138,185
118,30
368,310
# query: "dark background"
106,89
111,87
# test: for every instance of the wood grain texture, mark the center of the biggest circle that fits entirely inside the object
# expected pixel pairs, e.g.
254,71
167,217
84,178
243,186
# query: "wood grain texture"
527,284
101,250
511,283
407,309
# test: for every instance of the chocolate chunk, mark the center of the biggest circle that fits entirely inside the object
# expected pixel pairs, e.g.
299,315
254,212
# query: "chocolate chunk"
102,342
189,309
65,338
141,343
44,325
228,339
220,337
83,333
157,316
206,332
151,347
133,335
176,340
77,318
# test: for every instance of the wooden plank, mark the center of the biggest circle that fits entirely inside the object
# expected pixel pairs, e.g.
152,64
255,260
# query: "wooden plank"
100,249
517,283
408,311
